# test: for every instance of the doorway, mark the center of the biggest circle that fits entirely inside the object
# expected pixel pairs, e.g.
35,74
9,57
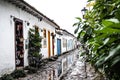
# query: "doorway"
53,43
58,46
49,48
19,44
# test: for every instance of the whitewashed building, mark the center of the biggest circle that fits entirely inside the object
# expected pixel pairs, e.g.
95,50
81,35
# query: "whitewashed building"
65,41
16,17
68,41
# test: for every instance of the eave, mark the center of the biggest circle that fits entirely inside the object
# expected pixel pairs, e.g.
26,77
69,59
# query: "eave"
31,10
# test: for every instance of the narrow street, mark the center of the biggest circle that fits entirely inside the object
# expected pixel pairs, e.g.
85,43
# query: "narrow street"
60,40
53,70
58,70
77,72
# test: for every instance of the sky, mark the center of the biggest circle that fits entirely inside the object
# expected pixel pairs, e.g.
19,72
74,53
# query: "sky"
63,12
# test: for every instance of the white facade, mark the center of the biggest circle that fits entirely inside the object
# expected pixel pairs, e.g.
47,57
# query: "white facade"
7,34
8,12
44,50
68,41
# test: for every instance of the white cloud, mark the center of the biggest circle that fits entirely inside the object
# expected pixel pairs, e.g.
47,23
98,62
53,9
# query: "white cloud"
63,12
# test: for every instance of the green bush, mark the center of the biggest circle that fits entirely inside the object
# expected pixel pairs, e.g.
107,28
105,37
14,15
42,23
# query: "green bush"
18,74
30,69
34,55
6,77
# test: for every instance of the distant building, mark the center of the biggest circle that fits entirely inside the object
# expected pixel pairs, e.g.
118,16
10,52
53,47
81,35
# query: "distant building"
65,41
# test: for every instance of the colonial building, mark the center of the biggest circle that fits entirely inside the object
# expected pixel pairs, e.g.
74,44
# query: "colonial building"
16,18
65,41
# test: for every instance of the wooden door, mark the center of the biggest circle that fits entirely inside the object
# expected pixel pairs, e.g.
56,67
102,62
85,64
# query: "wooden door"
19,44
49,48
53,44
58,46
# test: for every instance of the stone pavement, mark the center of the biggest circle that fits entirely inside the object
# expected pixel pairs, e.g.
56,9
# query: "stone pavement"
75,71
54,69
78,72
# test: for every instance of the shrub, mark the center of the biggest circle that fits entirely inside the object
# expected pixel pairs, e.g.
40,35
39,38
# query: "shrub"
30,69
6,77
18,74
34,55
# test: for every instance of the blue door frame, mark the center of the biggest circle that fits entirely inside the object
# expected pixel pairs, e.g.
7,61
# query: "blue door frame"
58,46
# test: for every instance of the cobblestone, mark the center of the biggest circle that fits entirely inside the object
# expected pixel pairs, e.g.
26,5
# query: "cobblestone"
50,70
76,71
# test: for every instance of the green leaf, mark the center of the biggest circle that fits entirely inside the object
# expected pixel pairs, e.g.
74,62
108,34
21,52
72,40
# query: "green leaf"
107,23
78,18
113,20
108,30
110,22
78,37
106,41
82,33
90,0
113,53
76,30
100,62
89,31
115,26
115,61
75,24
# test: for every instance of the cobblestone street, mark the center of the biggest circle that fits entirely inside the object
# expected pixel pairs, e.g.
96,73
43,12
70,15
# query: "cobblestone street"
76,71
53,69
60,40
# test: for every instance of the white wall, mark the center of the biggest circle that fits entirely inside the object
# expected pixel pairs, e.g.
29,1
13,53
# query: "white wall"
48,27
7,38
70,42
64,49
69,46
7,51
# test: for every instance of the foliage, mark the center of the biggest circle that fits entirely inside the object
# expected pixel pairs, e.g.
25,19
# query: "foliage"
34,42
34,47
6,77
100,35
31,70
18,74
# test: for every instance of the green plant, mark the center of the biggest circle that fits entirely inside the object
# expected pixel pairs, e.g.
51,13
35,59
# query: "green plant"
18,74
100,35
34,55
34,42
6,77
32,70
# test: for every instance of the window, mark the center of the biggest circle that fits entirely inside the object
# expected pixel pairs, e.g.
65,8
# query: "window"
44,33
64,42
44,40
